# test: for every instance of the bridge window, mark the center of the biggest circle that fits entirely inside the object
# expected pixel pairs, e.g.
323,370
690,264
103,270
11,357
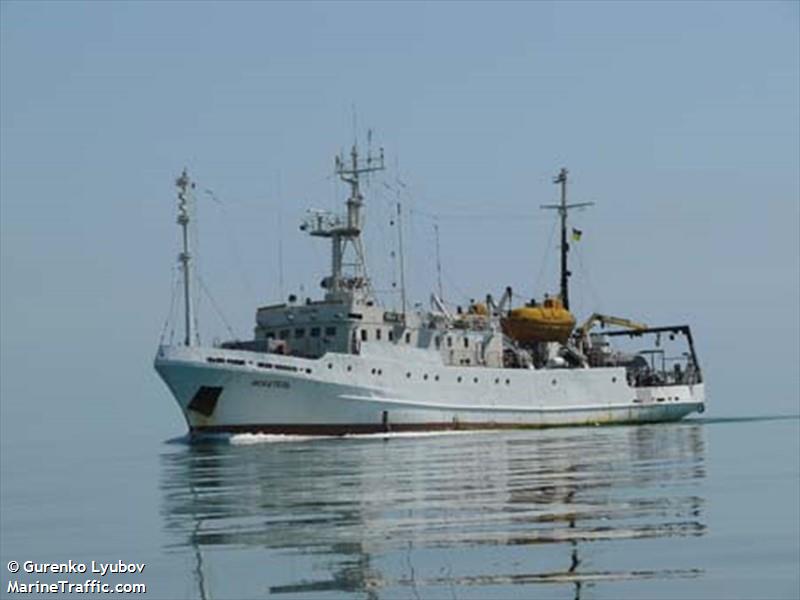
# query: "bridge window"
466,342
284,334
315,332
408,338
298,333
363,335
330,331
377,334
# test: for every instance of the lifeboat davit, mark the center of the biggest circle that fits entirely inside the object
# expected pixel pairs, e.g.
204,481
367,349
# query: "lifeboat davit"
546,322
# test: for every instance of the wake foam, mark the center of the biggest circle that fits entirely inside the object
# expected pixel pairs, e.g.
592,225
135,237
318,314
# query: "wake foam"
243,439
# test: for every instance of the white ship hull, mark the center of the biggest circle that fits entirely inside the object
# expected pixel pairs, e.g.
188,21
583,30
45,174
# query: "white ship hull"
240,391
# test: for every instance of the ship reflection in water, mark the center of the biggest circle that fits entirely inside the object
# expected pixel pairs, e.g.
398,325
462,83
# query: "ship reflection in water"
485,515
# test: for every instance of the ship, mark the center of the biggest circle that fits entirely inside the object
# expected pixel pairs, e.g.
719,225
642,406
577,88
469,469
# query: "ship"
346,364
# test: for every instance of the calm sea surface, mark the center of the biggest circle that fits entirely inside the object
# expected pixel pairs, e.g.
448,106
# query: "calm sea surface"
699,509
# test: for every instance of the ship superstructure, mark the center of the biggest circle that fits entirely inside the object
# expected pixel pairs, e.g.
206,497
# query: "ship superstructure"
346,364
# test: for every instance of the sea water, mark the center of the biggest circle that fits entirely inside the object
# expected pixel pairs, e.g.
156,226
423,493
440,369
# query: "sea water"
703,508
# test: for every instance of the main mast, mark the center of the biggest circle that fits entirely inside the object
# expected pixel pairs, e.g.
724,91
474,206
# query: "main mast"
347,230
563,208
184,185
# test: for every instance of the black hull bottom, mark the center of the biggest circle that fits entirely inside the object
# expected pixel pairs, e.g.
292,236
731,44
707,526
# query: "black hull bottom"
339,429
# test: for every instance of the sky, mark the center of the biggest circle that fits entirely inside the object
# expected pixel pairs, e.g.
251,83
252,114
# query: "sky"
679,120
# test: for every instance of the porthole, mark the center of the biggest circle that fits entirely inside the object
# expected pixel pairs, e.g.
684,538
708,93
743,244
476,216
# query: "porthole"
425,377
330,365
459,379
408,375
380,371
613,380
349,367
508,382
308,371
436,378
497,380
554,382
475,380
373,371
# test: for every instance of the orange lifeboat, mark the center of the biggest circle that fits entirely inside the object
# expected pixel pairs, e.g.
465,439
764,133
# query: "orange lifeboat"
547,322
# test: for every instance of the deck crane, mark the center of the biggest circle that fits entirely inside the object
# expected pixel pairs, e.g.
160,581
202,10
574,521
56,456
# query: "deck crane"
582,332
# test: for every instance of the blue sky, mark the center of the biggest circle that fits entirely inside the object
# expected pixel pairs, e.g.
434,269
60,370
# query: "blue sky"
679,119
